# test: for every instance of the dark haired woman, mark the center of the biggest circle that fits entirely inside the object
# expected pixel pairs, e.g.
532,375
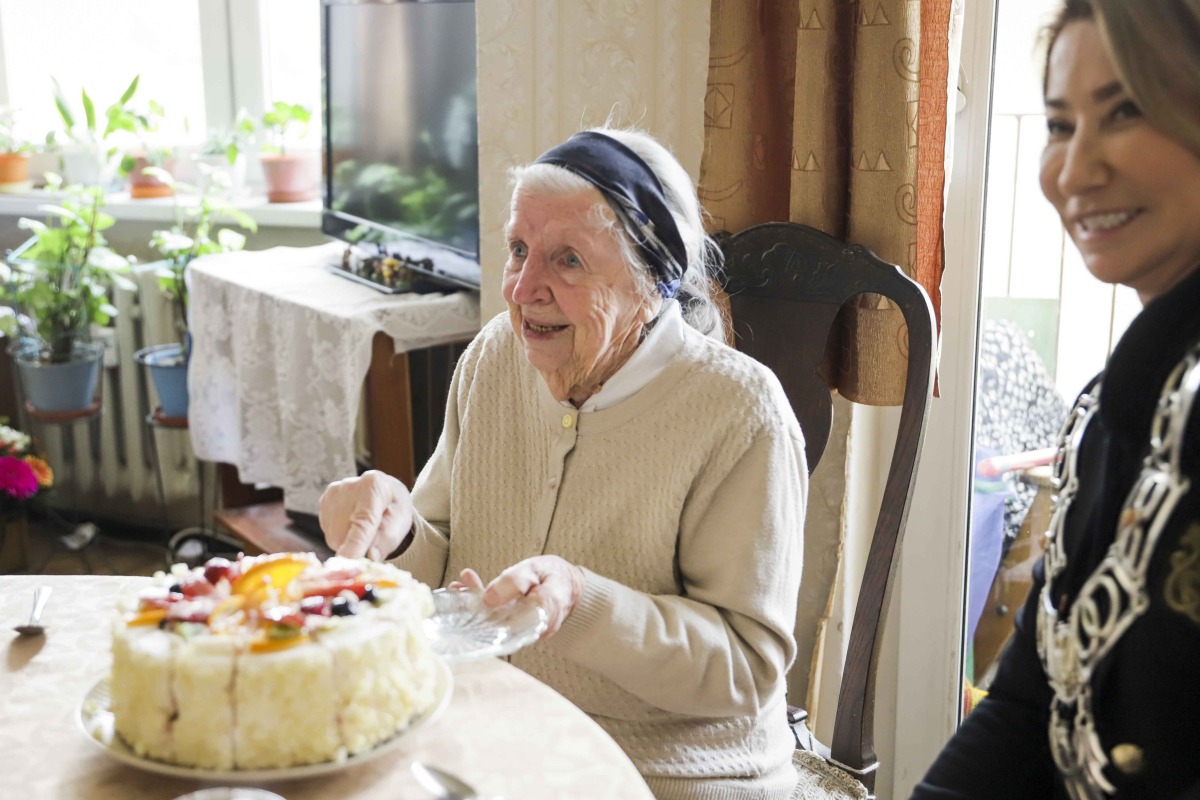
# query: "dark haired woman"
1096,695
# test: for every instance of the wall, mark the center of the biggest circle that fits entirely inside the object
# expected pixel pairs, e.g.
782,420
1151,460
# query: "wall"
549,68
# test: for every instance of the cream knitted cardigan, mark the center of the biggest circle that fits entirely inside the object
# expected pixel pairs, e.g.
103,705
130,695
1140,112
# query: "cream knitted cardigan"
684,505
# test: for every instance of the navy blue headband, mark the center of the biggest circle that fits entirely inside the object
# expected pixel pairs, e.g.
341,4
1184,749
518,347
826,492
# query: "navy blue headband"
633,188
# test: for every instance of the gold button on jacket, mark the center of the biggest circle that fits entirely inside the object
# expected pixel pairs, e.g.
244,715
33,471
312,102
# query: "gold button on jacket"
1128,758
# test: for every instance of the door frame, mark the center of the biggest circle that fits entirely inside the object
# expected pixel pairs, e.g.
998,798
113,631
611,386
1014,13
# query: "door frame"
920,677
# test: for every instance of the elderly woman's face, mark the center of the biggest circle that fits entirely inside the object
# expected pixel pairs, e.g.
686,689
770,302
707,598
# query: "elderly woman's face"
1128,194
572,300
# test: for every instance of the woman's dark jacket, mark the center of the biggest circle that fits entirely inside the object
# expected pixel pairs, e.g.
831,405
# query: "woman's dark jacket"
1146,692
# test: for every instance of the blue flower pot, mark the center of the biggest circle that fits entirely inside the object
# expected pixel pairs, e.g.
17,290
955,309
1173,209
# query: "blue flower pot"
64,387
168,369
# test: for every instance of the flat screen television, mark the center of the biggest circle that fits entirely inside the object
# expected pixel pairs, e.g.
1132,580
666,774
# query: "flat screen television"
401,167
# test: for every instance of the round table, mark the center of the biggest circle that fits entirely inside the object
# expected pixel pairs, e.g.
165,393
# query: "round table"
504,732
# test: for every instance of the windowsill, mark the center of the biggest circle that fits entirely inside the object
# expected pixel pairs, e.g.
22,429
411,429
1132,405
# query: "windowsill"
278,215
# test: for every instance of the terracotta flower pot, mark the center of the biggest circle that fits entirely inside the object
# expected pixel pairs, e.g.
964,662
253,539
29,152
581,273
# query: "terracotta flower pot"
290,177
143,186
14,172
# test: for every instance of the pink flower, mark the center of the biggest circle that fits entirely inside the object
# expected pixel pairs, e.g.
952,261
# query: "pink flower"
17,479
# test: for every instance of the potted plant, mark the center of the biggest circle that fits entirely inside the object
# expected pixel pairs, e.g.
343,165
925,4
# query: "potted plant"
136,163
14,154
192,235
87,158
290,176
224,152
58,281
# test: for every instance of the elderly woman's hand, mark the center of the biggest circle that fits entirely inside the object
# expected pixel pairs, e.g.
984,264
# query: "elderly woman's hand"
554,582
370,515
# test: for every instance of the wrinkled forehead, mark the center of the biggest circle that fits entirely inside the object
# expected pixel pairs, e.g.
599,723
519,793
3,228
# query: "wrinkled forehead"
552,211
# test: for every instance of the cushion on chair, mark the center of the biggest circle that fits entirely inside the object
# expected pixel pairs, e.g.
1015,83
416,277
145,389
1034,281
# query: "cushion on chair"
820,780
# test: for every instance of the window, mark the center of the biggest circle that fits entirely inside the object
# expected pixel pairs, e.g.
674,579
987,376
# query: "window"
106,44
292,45
201,60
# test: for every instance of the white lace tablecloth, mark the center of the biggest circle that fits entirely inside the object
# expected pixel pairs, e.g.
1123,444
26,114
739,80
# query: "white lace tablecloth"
280,349
504,732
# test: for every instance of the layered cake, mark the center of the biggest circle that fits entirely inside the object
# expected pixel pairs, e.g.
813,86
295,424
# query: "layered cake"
271,661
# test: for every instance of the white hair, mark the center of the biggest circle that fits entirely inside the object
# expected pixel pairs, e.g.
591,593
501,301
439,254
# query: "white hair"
695,294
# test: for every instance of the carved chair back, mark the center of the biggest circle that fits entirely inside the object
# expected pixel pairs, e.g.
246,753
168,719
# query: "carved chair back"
787,283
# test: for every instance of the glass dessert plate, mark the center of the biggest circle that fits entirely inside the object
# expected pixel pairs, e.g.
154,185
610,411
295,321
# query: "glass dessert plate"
463,629
95,720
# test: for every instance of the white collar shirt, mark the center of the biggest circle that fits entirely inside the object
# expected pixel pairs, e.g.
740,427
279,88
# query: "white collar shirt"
650,358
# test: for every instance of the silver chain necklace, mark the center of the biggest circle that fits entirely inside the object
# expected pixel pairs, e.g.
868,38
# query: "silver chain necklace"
1114,596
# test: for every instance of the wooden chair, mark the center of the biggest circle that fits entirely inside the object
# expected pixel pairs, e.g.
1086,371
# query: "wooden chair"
786,284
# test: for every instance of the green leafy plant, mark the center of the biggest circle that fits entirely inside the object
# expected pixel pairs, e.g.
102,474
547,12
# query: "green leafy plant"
59,280
278,119
194,234
86,130
230,141
141,125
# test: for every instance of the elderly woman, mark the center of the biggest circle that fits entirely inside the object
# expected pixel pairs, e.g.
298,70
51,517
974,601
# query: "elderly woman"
606,453
1096,695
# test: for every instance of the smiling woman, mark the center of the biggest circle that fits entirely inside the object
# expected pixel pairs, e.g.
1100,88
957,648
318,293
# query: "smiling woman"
1095,694
1128,193
608,456
577,307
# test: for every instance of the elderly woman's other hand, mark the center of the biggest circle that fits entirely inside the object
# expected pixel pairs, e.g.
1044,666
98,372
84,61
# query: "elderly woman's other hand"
369,515
468,579
554,582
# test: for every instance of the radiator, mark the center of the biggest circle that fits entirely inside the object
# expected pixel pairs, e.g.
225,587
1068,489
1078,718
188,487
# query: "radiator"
104,467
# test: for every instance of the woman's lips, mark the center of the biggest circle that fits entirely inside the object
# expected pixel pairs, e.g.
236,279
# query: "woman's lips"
1106,223
536,330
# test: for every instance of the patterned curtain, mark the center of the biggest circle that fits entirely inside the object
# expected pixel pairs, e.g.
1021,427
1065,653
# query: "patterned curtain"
833,113
812,115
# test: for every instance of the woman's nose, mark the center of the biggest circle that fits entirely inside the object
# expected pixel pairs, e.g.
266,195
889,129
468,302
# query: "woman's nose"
1084,165
529,285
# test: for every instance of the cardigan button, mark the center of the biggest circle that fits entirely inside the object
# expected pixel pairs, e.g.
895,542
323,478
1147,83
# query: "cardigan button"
552,483
1128,758
568,421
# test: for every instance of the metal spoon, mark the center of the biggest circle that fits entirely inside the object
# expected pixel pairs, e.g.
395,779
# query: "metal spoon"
442,784
34,626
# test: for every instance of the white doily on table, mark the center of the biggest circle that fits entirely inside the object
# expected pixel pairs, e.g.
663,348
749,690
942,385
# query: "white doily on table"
280,349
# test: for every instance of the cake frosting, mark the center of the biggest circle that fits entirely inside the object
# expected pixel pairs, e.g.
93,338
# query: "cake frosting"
271,661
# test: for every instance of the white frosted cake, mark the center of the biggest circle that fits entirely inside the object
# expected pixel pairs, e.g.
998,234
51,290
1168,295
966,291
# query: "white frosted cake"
271,661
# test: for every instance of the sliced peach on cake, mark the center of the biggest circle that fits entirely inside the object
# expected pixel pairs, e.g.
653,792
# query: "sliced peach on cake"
274,571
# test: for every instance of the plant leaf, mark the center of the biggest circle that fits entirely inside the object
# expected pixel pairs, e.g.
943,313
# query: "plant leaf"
64,213
230,239
128,95
160,174
89,111
64,110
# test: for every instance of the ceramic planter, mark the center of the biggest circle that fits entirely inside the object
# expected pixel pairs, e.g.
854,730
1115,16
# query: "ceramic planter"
58,387
14,172
168,369
143,186
290,177
85,165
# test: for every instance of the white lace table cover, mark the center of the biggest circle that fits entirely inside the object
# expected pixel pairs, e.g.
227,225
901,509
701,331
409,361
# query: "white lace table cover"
280,349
